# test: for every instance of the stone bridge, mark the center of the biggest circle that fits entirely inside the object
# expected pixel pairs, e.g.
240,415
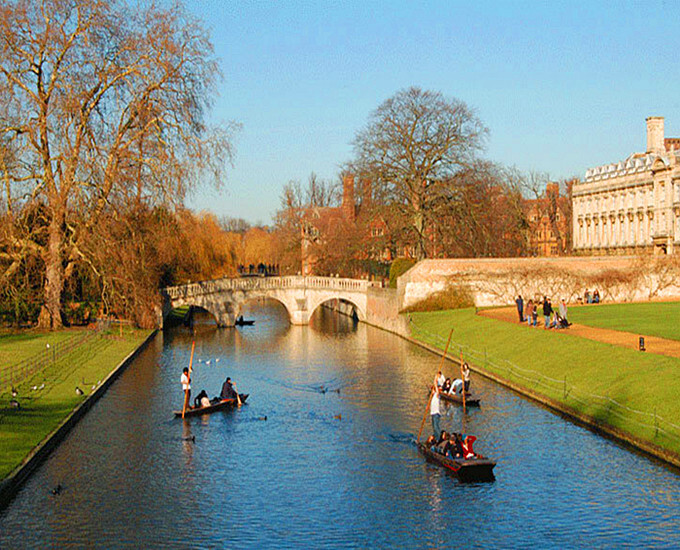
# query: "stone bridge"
300,295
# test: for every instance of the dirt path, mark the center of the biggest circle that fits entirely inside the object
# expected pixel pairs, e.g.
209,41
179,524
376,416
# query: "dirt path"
653,344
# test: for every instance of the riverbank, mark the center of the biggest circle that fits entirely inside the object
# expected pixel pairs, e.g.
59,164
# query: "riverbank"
50,400
627,394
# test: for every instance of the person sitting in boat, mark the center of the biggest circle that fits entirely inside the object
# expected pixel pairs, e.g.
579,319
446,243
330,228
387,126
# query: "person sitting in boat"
467,441
201,400
442,446
456,447
456,387
430,442
447,385
228,391
466,376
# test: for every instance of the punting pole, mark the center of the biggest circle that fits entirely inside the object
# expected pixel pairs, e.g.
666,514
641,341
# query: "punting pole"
434,387
462,377
186,392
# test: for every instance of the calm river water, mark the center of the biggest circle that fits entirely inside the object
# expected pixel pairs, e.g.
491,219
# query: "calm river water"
336,470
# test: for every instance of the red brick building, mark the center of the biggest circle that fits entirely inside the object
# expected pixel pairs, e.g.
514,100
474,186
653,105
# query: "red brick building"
549,222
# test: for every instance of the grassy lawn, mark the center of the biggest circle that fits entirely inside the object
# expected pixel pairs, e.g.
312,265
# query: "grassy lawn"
582,374
650,319
17,346
43,409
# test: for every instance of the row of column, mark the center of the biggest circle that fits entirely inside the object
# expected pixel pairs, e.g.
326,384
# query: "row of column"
630,229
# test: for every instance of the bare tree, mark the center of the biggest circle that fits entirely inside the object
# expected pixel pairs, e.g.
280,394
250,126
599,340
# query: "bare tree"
413,144
234,225
103,107
320,193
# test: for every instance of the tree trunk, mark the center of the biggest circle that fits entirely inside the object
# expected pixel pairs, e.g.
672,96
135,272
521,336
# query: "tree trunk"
50,313
419,226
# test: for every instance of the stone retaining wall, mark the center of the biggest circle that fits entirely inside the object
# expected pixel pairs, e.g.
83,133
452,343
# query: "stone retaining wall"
498,281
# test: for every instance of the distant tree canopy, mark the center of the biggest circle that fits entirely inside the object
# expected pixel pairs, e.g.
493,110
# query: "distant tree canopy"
413,146
102,121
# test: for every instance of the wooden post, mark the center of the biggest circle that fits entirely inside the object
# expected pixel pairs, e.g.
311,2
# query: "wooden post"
186,392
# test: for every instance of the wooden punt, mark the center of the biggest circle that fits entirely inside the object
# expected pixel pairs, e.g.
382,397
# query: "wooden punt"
222,405
478,468
243,323
470,400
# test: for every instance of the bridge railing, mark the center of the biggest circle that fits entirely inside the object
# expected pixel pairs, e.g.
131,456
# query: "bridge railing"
265,283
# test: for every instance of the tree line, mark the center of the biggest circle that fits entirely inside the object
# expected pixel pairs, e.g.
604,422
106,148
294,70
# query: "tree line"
104,131
424,190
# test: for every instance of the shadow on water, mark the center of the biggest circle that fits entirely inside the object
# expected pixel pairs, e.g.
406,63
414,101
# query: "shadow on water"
326,469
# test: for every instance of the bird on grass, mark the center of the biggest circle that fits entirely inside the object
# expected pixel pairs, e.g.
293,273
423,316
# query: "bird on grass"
14,403
14,392
79,391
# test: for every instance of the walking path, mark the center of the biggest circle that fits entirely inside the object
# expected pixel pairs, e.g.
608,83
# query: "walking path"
653,344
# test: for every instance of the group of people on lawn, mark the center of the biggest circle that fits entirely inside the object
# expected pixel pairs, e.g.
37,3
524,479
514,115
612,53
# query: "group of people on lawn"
528,312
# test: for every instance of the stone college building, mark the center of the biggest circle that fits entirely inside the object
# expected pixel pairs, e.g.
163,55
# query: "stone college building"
634,204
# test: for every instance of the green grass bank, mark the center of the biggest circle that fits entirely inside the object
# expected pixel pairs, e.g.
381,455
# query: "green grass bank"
660,319
633,393
44,408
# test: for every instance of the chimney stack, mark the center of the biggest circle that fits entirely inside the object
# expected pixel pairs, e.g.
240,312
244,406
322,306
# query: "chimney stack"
655,135
348,196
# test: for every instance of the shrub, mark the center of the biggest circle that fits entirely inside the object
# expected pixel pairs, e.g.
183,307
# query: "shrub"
452,297
398,268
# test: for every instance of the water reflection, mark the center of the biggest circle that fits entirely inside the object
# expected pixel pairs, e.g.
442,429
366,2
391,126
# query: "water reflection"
327,468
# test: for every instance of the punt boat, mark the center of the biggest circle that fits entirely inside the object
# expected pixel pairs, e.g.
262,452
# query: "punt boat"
219,406
470,400
477,468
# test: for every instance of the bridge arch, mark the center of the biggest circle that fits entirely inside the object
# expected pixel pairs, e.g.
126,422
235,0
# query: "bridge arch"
361,315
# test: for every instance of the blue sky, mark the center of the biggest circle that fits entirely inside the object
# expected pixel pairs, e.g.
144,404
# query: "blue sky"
562,86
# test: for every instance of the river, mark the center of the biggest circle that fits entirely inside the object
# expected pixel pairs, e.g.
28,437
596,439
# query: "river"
333,469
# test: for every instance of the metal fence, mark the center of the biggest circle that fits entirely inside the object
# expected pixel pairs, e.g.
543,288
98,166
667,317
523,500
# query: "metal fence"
555,387
12,375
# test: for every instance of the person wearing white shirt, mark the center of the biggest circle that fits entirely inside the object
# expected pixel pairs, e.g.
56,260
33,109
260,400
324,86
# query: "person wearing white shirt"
435,413
457,386
439,380
186,386
466,376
